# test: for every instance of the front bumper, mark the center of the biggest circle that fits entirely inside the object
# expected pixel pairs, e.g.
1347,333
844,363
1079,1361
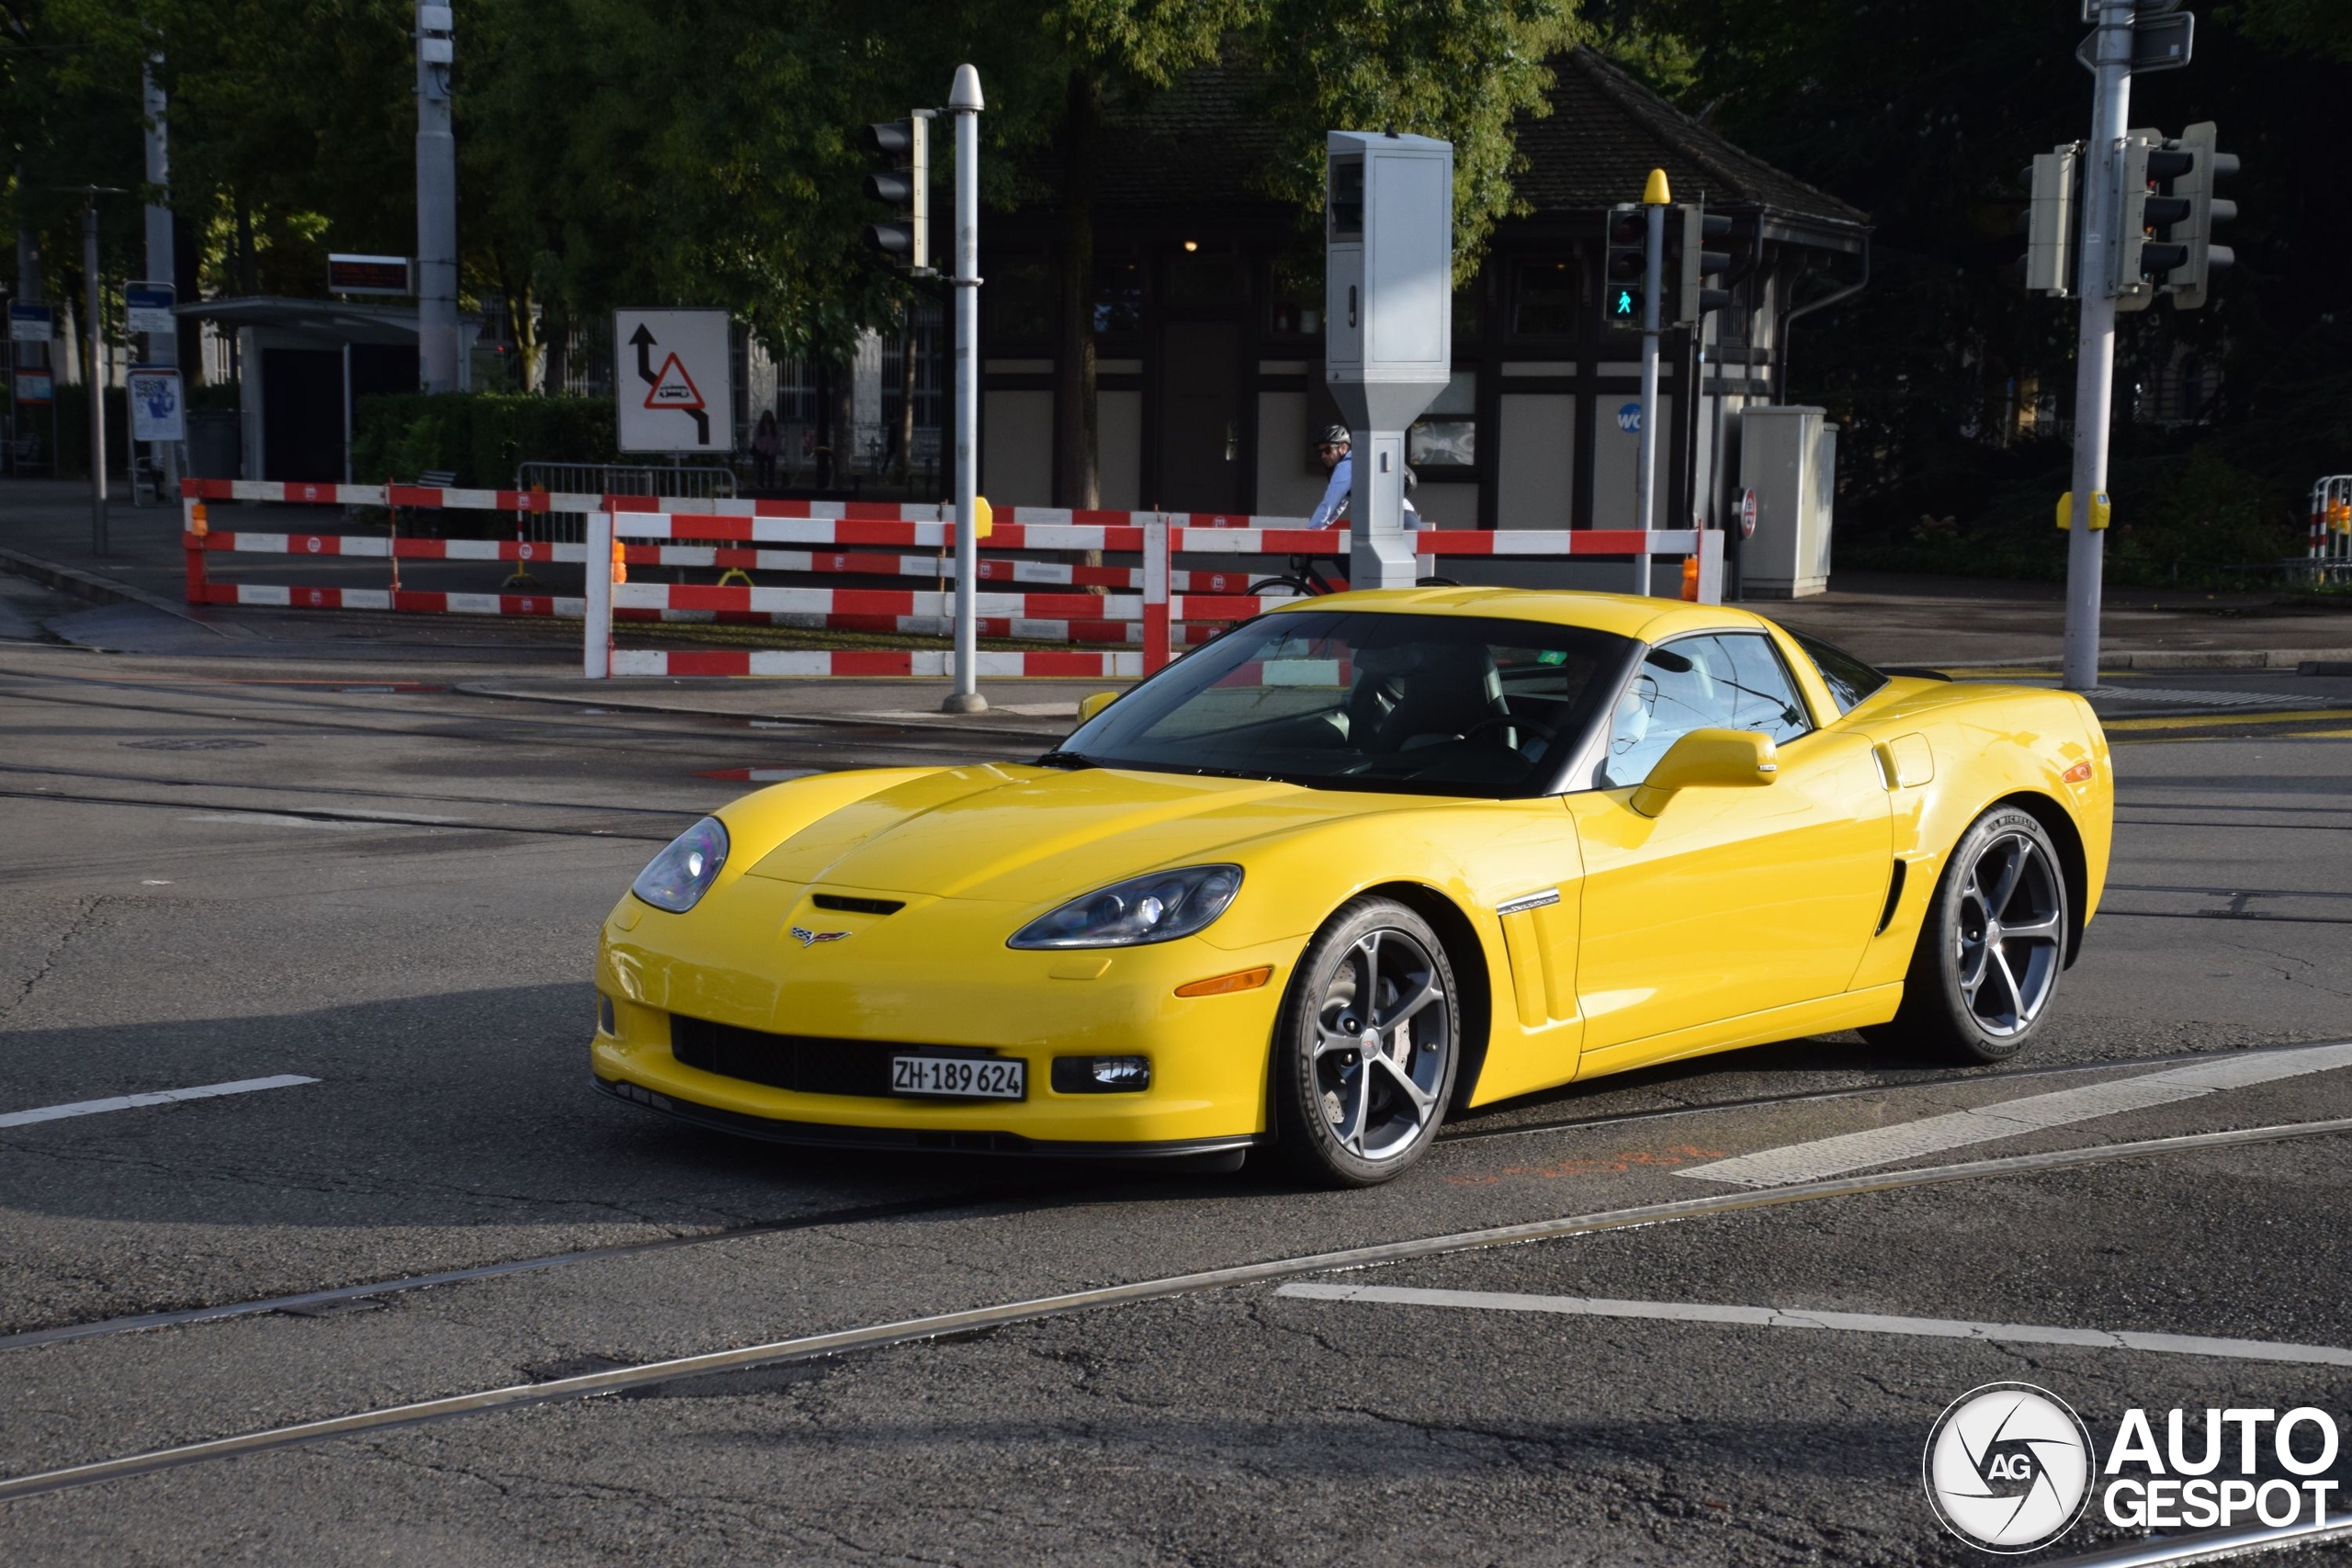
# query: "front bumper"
914,980
818,1135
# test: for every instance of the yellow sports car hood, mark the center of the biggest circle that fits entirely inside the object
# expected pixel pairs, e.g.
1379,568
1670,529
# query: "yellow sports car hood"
1019,834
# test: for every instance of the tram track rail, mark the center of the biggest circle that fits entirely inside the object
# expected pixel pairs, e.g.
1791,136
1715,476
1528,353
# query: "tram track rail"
925,741
913,1208
984,1319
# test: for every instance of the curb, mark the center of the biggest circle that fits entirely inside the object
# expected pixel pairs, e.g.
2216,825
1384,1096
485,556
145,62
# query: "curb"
98,590
2183,659
2228,658
944,725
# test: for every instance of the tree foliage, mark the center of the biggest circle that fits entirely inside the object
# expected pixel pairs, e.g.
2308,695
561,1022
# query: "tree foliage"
1923,116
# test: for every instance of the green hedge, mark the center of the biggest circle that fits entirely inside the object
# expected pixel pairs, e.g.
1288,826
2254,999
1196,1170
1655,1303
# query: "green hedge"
480,435
2195,519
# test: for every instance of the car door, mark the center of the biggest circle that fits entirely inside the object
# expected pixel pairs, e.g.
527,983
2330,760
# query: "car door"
1730,902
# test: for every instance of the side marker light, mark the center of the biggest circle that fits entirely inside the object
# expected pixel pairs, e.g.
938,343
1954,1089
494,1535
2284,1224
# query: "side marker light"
2079,774
1218,985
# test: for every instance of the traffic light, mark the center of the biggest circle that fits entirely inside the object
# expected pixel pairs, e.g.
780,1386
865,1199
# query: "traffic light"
1695,263
2055,179
2143,254
1626,268
2187,280
905,186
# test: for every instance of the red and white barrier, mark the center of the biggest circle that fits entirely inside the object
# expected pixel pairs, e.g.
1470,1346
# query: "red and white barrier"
404,601
873,663
1161,610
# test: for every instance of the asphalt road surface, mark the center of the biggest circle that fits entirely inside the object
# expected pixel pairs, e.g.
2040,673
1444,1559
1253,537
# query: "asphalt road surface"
368,902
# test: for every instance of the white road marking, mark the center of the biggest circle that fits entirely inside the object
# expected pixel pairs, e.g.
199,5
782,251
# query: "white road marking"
160,1097
1848,1322
2014,1118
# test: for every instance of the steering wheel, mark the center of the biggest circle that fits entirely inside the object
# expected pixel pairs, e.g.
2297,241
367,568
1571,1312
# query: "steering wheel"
1504,722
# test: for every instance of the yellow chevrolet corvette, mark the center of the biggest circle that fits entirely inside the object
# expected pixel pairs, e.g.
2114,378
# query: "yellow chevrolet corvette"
1357,861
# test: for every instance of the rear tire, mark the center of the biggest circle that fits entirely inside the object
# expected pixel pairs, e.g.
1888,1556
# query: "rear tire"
1366,1047
1992,947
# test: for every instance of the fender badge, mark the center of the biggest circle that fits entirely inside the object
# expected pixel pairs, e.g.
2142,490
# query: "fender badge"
811,939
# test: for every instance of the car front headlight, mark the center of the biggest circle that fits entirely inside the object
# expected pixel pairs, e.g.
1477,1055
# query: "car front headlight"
676,879
1158,908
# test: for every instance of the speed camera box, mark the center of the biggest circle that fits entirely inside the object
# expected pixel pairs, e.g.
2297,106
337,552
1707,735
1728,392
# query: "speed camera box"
1388,279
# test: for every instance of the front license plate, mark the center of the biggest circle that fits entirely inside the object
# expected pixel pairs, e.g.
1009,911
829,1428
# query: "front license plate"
962,1077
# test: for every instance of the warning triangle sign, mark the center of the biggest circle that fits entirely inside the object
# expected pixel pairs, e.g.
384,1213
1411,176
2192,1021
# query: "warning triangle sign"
673,388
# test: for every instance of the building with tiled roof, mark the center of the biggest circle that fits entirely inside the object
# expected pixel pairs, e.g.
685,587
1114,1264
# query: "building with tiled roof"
1209,348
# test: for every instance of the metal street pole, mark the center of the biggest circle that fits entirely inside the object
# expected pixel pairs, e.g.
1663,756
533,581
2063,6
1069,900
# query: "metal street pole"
162,348
97,374
964,102
2094,348
436,203
1645,472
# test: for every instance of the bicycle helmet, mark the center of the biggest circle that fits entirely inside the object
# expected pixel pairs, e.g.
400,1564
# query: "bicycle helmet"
1335,436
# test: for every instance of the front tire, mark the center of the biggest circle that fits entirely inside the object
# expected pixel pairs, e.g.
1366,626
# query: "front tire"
1991,949
1368,1047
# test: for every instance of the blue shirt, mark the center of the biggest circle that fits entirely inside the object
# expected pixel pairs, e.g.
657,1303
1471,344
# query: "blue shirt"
1335,494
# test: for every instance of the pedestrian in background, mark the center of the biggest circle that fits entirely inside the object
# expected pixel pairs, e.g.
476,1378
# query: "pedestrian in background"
765,444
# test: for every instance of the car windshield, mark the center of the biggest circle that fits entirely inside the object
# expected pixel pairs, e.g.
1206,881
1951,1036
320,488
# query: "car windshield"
1438,705
1849,679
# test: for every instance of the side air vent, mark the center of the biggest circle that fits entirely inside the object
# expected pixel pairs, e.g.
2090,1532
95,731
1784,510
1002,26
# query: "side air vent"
1894,898
849,906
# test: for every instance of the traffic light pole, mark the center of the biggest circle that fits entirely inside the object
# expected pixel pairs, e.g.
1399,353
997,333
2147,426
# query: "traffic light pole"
2094,348
436,203
97,374
964,102
1645,472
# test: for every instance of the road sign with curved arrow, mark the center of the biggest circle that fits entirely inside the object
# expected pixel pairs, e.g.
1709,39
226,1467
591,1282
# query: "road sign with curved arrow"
681,397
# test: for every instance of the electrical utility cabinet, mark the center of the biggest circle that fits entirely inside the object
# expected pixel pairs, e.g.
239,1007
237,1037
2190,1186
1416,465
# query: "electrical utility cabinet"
1388,322
1788,456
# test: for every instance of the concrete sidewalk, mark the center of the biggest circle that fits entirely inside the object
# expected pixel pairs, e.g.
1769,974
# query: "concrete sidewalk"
1943,622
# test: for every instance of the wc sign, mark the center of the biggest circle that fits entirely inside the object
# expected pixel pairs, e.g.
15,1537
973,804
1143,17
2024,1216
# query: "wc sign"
672,384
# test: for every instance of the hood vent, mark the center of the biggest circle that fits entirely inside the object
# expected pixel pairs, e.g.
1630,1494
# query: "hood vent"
844,903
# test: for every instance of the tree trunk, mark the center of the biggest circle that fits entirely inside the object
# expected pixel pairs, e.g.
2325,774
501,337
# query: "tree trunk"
555,330
245,281
530,347
1076,479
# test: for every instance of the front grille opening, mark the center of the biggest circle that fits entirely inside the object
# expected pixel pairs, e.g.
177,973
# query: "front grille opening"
804,1063
846,905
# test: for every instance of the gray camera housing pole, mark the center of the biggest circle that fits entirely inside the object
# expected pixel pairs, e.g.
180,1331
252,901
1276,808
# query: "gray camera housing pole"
1388,323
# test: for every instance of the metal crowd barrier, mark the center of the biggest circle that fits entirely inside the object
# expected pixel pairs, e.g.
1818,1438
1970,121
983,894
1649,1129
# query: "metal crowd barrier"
2330,551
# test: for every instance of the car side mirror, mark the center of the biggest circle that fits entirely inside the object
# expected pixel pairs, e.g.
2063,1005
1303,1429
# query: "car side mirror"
1737,758
1094,702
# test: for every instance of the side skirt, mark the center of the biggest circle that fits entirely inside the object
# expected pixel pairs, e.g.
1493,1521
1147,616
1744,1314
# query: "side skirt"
1851,1009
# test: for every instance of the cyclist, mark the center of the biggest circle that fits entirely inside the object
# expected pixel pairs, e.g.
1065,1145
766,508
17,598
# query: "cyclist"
1332,509
1333,449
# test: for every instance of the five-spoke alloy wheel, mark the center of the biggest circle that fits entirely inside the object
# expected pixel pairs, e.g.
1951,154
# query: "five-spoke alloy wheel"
1991,946
1368,1047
